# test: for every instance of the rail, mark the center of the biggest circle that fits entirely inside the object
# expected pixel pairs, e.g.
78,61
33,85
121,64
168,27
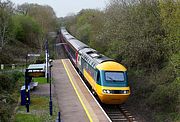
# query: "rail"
118,113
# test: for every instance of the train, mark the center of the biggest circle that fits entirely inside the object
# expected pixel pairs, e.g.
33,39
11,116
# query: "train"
107,78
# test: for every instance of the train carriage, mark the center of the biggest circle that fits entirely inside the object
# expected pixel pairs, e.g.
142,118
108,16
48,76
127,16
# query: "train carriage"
72,45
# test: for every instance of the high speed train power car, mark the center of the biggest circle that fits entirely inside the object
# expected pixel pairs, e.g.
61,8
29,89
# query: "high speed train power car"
107,78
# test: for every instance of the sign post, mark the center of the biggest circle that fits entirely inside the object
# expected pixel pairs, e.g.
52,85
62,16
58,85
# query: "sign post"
50,102
27,90
34,55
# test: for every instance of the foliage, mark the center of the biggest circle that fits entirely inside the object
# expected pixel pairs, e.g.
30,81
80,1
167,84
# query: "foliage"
6,10
85,24
44,16
25,26
7,82
9,90
27,30
170,14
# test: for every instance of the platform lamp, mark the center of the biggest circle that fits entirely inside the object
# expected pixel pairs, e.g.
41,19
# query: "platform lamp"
50,79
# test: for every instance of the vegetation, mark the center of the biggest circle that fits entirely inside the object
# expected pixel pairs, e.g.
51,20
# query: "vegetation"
39,111
9,93
27,27
144,36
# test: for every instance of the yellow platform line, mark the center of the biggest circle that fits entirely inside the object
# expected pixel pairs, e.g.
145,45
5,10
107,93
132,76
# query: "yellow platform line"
87,112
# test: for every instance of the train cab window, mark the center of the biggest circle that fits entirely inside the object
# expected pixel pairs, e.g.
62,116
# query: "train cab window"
98,76
114,76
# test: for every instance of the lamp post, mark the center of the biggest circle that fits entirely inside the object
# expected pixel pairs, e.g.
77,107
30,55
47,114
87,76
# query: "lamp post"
50,102
26,90
47,60
48,75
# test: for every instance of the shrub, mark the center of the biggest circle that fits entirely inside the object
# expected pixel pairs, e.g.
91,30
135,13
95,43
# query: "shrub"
9,86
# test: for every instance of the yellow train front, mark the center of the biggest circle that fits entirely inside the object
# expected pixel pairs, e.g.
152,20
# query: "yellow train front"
112,87
111,84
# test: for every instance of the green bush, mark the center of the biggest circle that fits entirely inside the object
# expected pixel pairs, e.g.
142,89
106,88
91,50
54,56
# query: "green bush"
16,75
9,81
9,92
6,82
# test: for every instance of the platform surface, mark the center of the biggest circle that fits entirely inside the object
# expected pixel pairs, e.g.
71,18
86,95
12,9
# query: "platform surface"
75,102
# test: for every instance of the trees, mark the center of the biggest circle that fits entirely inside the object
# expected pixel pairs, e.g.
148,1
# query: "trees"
170,15
136,27
15,29
26,27
6,11
44,15
86,26
27,30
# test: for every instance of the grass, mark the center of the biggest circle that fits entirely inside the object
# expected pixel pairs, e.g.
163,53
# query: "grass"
27,118
40,80
38,112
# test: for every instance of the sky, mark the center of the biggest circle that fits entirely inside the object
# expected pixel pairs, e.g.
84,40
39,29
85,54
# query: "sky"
63,8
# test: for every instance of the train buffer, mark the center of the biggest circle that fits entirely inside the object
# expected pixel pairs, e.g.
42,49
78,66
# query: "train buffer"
75,101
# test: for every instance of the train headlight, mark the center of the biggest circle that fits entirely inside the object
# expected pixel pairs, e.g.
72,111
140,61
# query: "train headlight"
125,91
106,91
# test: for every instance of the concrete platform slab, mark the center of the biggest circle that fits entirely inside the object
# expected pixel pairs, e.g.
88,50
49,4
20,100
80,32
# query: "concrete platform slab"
69,104
76,103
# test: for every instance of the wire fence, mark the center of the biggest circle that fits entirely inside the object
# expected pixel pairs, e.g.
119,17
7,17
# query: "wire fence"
7,68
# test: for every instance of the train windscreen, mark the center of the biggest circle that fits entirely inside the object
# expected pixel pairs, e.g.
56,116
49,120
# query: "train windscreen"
114,76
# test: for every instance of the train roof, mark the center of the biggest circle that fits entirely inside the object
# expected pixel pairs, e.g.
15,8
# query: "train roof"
78,45
93,57
90,55
72,40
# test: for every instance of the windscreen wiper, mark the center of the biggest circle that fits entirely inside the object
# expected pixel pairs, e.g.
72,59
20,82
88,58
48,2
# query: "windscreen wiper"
111,79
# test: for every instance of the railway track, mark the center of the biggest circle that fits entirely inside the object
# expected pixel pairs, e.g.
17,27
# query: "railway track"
118,113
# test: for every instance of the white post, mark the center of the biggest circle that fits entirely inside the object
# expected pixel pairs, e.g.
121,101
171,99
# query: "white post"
2,66
46,64
46,59
13,66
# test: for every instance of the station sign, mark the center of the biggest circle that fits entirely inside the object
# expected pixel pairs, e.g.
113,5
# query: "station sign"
36,74
35,55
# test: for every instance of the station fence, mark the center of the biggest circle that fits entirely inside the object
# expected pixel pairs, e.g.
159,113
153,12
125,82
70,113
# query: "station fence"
5,68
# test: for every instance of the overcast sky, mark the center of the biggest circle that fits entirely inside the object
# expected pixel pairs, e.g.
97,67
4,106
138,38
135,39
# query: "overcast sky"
65,7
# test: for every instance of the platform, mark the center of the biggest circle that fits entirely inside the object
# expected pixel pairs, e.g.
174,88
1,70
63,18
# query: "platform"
75,102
